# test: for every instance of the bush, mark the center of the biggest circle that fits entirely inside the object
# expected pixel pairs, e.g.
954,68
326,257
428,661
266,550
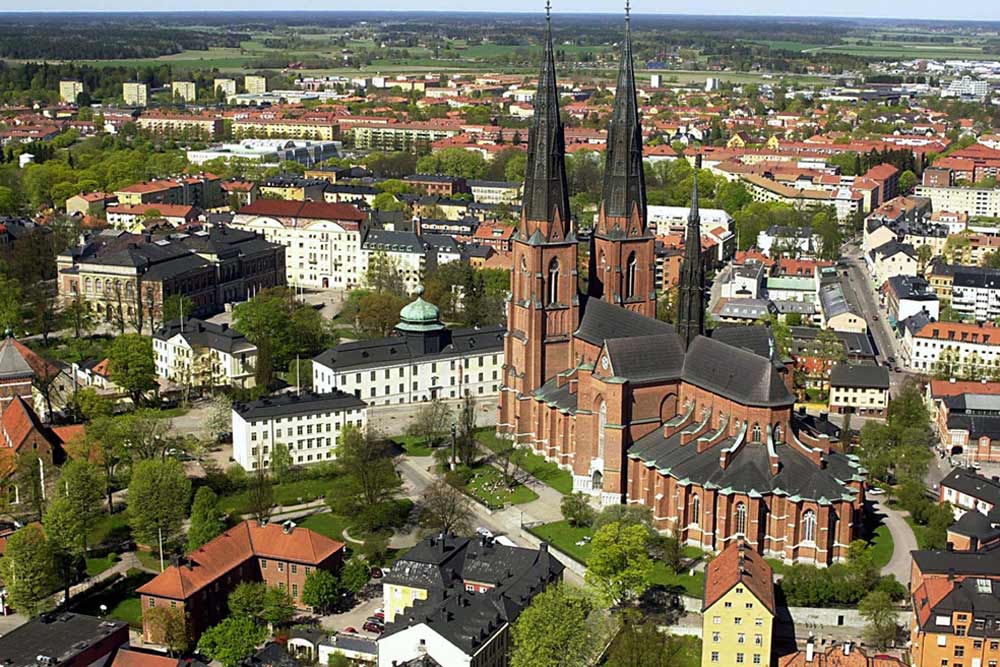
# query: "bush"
626,515
577,511
896,590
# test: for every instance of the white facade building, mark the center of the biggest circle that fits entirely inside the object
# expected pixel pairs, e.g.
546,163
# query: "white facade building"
975,293
673,219
196,353
952,344
308,424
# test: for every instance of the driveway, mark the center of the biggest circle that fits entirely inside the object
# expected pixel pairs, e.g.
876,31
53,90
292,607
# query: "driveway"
903,542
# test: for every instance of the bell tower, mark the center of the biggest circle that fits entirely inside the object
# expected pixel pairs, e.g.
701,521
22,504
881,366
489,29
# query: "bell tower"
544,306
691,291
622,264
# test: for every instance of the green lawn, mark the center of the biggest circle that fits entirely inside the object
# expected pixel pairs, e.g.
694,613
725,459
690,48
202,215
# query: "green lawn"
121,600
289,493
488,487
565,537
151,559
331,525
684,651
97,565
881,545
414,445
110,527
534,464
920,532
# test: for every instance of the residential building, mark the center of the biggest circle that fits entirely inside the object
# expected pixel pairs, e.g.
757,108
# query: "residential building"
845,654
137,657
424,361
799,241
453,600
135,94
178,124
836,313
293,188
495,192
977,202
845,200
89,203
967,88
69,91
942,276
887,177
133,217
738,610
955,621
975,293
891,259
907,296
322,241
194,353
815,351
793,288
412,256
943,346
185,91
255,85
238,193
969,427
968,491
673,219
398,136
200,583
225,87
859,389
308,424
126,277
201,190
305,129
65,639
436,184
496,235
269,152
745,281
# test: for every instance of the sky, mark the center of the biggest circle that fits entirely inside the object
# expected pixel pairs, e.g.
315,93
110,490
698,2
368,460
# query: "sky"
920,9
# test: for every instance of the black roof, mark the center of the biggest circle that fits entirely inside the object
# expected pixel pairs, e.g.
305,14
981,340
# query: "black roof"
911,287
735,373
602,320
294,404
272,655
755,337
966,563
199,332
62,637
976,276
864,376
973,484
981,596
646,358
749,469
977,425
396,349
975,524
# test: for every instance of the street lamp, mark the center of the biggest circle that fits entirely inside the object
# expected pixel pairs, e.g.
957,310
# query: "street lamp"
453,444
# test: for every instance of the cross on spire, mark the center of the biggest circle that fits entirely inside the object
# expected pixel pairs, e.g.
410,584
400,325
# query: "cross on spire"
628,9
548,10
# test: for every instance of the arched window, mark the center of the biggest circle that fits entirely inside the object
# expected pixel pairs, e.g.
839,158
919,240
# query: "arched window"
553,281
809,526
603,262
777,433
602,423
630,277
696,510
741,519
755,437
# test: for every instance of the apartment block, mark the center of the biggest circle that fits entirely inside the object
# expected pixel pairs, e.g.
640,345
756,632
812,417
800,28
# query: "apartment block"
135,94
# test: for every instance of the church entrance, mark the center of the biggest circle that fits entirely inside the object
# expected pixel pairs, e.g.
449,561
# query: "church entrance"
597,481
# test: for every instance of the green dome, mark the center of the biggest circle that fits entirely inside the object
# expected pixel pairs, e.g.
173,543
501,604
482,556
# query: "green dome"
419,315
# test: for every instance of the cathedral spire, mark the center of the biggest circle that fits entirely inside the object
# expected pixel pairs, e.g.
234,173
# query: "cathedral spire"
691,291
546,195
624,183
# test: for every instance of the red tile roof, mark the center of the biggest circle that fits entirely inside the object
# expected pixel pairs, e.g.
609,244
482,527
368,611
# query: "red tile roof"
944,388
127,657
737,564
298,209
234,547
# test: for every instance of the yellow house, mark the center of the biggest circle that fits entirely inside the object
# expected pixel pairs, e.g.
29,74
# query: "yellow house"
738,612
397,598
773,143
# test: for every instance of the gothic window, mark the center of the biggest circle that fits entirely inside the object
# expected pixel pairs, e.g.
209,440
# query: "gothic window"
603,262
630,278
809,526
777,433
696,510
553,293
756,433
741,519
602,423
524,263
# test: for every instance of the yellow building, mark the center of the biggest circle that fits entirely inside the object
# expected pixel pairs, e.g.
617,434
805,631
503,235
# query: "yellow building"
185,90
69,91
227,86
738,612
286,128
255,85
135,94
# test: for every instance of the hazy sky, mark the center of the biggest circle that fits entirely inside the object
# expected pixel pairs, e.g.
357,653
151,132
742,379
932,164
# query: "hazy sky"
929,9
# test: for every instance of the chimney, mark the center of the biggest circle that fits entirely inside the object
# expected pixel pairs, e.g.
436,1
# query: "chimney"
847,647
543,547
810,649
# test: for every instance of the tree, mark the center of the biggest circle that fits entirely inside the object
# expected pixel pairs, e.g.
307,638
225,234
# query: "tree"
619,567
275,319
431,422
321,591
232,641
206,519
33,477
642,644
383,275
907,181
260,492
281,462
157,501
168,626
558,629
131,365
466,445
445,509
220,416
177,307
368,477
879,611
577,511
925,254
386,201
453,162
355,575
82,483
11,303
262,603
28,570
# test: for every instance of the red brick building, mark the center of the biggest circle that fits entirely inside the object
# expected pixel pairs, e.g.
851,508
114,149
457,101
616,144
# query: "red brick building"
278,555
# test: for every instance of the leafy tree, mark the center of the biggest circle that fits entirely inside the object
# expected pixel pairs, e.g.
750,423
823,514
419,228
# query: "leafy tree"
206,519
445,509
177,307
287,328
466,444
232,641
626,515
321,590
260,492
28,570
33,477
81,483
907,181
168,626
11,302
453,162
131,365
432,422
383,275
619,567
355,575
879,611
157,501
386,201
368,477
262,603
558,629
577,510
642,644
281,462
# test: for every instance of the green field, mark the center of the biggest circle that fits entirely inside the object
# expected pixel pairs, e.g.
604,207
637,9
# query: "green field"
905,50
289,493
534,464
330,525
120,599
488,487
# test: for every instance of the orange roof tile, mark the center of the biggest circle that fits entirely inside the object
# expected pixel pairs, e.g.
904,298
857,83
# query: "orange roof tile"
297,209
737,564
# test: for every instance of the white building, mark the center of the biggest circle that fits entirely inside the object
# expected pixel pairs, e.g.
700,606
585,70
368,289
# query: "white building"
255,85
673,219
414,255
135,94
495,192
975,202
308,424
959,347
975,293
184,90
967,87
799,241
192,352
69,91
425,361
226,86
269,152
322,241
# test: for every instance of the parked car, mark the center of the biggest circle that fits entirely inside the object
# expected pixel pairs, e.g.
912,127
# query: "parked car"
876,491
372,626
350,630
377,573
484,532
376,620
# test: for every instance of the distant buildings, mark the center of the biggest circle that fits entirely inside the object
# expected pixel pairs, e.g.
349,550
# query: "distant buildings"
738,609
453,600
225,87
495,192
269,151
66,639
979,202
308,424
69,91
180,124
185,91
967,88
135,94
255,85
201,190
192,353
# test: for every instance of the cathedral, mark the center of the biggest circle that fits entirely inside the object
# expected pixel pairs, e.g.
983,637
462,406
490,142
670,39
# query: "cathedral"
699,427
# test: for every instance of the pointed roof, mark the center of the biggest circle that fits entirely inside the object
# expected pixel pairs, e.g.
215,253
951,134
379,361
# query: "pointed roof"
691,296
546,194
17,360
624,182
739,565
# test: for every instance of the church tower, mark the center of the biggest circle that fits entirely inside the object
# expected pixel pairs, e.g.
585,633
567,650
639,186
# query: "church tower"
691,291
543,310
622,264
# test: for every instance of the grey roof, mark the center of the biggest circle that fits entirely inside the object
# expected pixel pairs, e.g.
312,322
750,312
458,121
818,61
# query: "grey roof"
384,239
749,470
356,644
63,637
12,364
561,397
971,403
785,306
283,405
647,358
477,183
789,232
894,247
396,349
746,309
976,277
973,484
832,300
969,563
977,425
978,596
208,334
735,373
864,376
755,338
914,288
602,321
916,321
984,528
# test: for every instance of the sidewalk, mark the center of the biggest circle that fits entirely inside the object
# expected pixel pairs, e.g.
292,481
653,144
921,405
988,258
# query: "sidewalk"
128,562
